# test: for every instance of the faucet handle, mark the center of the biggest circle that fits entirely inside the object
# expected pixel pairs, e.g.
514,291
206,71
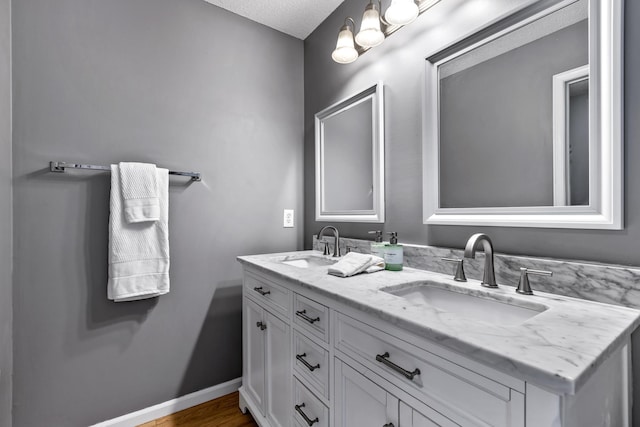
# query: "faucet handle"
350,248
523,285
459,277
326,247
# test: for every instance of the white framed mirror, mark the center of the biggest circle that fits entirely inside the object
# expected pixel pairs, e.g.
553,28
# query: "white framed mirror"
523,127
349,150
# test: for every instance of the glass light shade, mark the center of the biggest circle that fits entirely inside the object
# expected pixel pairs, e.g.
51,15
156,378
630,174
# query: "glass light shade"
401,12
370,34
345,51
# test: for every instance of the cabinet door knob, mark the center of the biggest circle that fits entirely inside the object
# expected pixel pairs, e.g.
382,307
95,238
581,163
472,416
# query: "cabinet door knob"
384,359
261,325
309,421
259,290
309,366
303,314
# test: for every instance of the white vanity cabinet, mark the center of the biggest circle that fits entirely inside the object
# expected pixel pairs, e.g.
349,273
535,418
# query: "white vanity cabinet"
311,360
267,352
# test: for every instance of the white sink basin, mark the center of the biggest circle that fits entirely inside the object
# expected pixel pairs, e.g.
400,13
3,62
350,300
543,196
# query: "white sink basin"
474,306
306,261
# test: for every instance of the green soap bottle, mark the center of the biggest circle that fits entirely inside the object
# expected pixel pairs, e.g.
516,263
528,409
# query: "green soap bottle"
393,253
377,247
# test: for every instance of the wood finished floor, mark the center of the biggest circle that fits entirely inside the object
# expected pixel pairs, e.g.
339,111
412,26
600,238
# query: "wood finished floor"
220,412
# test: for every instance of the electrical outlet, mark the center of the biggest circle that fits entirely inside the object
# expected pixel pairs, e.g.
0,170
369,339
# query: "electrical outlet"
288,218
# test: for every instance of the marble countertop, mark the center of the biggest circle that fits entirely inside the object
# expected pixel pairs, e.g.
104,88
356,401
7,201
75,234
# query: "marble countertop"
558,349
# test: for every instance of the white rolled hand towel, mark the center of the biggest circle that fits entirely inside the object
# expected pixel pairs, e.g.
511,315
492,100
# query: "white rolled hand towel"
354,263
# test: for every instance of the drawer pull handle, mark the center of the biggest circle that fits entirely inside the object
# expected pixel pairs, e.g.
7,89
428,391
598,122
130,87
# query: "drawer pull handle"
309,421
384,359
388,425
261,325
303,314
259,290
301,357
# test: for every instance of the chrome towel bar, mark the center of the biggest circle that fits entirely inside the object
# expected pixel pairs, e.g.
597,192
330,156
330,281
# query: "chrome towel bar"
62,166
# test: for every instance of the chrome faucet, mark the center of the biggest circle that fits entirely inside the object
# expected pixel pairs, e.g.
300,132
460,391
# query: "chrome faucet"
336,244
489,277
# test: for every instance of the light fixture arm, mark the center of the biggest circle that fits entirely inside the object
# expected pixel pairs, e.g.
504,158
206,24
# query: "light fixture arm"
384,21
386,24
353,23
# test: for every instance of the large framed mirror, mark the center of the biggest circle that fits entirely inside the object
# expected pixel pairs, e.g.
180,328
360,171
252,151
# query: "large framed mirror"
350,158
523,121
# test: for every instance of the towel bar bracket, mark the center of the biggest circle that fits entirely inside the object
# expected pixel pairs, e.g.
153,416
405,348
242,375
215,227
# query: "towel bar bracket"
55,167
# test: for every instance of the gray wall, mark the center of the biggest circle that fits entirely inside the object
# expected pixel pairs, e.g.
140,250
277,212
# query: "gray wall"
399,62
499,109
6,308
188,86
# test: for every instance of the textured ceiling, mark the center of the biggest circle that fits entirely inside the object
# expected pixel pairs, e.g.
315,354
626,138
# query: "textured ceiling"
297,18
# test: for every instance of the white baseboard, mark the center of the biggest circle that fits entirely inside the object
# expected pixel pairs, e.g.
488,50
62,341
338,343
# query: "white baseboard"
171,406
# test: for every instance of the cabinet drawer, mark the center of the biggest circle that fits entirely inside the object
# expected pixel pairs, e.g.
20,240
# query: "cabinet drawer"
457,392
311,363
263,290
308,408
311,316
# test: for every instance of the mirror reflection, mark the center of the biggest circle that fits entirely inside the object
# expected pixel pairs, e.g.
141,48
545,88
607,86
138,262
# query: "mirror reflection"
348,159
499,141
571,137
578,143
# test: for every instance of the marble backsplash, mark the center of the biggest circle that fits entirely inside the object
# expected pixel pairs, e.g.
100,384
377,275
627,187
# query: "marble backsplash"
611,284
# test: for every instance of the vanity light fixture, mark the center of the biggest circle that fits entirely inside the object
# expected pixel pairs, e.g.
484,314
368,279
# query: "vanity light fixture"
401,12
345,51
370,33
375,28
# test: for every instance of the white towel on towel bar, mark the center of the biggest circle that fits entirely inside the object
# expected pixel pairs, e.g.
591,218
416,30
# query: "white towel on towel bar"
138,252
139,185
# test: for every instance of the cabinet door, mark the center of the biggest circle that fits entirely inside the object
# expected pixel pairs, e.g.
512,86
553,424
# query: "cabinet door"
278,371
361,402
410,417
254,375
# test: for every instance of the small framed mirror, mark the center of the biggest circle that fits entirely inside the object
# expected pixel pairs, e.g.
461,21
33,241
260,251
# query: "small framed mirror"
350,158
523,121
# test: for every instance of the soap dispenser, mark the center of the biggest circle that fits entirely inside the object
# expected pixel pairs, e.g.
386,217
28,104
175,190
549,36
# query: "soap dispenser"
393,253
377,247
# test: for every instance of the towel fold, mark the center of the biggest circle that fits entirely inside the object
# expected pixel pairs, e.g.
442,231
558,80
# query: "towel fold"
139,185
138,252
354,263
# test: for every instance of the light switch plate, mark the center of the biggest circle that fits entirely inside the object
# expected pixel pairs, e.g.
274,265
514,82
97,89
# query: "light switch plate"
288,218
